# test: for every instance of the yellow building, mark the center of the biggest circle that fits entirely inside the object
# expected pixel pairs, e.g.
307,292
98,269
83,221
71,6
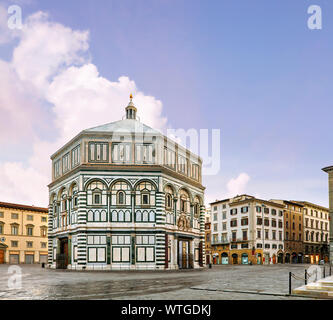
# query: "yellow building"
23,234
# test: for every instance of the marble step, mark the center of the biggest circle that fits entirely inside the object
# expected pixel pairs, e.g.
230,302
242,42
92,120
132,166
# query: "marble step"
323,288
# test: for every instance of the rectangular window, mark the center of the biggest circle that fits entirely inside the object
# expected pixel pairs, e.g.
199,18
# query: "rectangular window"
29,231
233,223
98,152
244,221
44,219
258,234
1,228
121,152
14,244
121,254
97,240
245,209
145,239
14,230
259,221
195,171
224,215
145,254
121,239
57,171
65,163
1,214
96,254
29,244
182,164
145,153
233,211
43,244
30,217
169,158
75,156
15,216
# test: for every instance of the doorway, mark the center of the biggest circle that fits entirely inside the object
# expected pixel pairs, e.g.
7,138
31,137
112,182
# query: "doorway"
225,258
2,256
280,258
259,261
287,258
234,258
62,257
185,258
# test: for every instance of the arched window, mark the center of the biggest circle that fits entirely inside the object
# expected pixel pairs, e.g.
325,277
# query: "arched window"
168,201
97,197
120,193
145,194
121,198
184,201
145,197
183,205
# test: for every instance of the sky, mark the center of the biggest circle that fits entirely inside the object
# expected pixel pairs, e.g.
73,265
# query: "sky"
252,69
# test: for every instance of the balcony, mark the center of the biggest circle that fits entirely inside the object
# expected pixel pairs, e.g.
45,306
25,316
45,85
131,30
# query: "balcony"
239,239
220,241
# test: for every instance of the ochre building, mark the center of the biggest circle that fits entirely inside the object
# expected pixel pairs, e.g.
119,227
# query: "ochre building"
23,234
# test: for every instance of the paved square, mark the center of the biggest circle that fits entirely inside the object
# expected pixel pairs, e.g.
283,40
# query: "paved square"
220,282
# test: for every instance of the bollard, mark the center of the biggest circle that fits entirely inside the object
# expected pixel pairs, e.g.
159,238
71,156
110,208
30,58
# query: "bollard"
306,277
289,283
330,270
210,266
324,272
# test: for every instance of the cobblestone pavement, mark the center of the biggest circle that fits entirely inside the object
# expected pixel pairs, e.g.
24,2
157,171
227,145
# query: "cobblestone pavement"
220,282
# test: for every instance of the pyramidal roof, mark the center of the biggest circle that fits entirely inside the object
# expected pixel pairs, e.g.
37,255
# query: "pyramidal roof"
124,126
128,125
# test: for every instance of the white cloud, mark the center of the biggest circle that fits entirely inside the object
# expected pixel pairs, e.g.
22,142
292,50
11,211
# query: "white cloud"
51,67
237,186
46,48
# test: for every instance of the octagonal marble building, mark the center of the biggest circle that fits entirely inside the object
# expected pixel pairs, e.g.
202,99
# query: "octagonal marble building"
124,196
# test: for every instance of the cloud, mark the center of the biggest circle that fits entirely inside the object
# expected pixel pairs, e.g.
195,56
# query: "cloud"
52,85
47,48
237,186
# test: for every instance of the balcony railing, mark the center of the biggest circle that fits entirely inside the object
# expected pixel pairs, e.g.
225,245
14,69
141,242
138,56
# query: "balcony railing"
220,241
239,239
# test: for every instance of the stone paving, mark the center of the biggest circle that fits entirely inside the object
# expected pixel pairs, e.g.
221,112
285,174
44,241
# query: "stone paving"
220,282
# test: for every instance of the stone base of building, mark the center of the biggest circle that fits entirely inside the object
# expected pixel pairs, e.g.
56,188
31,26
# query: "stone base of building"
92,267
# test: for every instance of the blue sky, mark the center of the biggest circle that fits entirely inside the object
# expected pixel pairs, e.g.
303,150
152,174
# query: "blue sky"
250,68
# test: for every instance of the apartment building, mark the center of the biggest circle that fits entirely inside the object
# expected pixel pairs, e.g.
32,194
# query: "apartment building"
293,231
315,232
23,234
247,230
